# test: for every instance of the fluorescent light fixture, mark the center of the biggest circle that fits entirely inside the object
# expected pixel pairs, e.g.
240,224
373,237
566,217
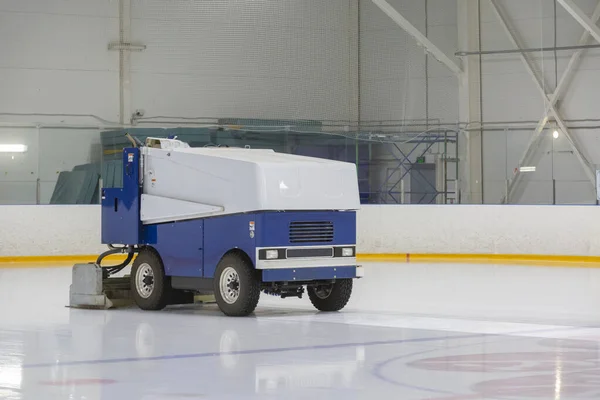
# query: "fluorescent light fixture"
527,169
13,148
555,134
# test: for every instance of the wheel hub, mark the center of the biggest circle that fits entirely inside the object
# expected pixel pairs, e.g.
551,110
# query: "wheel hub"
229,285
323,292
144,279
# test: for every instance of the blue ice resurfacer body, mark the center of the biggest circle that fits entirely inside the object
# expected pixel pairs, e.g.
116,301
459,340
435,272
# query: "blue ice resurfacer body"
233,222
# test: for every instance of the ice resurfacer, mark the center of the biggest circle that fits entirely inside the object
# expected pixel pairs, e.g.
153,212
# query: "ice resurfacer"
231,222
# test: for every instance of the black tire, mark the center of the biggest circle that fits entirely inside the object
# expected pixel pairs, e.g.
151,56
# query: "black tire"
330,298
247,286
154,293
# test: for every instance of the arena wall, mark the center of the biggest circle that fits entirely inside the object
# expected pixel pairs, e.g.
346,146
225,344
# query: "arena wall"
383,231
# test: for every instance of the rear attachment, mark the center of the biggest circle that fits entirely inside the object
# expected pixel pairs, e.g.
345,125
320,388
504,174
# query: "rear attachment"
94,287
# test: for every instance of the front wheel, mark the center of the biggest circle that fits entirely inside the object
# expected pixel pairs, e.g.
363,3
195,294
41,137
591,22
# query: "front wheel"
236,287
149,285
331,297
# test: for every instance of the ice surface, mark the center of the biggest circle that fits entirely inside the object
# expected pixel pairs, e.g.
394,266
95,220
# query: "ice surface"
412,331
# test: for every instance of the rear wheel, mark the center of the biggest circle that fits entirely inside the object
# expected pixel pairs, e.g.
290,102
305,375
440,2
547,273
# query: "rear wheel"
331,297
237,289
149,285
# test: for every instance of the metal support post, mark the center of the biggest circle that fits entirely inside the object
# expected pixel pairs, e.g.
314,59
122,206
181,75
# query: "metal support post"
125,47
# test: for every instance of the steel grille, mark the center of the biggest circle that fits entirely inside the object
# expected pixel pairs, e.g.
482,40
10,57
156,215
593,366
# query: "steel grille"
311,232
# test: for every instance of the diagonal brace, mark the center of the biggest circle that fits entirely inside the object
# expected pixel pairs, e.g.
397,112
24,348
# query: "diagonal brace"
558,93
580,16
550,105
418,36
399,166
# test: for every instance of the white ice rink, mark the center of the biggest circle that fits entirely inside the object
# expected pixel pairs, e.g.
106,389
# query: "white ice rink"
411,331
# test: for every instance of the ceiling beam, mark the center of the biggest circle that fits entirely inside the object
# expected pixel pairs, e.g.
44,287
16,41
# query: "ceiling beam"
580,16
418,36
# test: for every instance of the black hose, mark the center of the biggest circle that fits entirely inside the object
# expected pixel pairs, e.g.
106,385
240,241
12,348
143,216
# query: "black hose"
112,246
118,268
108,253
113,269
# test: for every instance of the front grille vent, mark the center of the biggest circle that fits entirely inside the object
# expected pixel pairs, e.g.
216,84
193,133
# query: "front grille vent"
311,232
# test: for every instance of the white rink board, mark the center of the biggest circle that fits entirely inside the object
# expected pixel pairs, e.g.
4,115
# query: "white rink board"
50,230
480,229
430,229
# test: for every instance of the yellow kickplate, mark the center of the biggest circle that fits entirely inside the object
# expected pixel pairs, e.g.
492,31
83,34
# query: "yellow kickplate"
499,259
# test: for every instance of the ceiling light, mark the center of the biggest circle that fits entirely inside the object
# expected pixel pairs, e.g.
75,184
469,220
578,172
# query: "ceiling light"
13,148
527,169
555,134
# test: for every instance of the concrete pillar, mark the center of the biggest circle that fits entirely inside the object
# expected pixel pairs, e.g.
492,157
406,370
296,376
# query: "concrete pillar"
470,110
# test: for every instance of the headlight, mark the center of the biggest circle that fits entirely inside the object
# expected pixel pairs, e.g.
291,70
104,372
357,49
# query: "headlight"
272,254
347,252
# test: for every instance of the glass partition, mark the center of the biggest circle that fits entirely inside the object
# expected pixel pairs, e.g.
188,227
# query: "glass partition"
19,165
36,163
550,173
69,165
392,167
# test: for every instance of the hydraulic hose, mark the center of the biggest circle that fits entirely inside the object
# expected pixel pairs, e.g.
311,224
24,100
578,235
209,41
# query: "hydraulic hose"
113,269
118,268
108,253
